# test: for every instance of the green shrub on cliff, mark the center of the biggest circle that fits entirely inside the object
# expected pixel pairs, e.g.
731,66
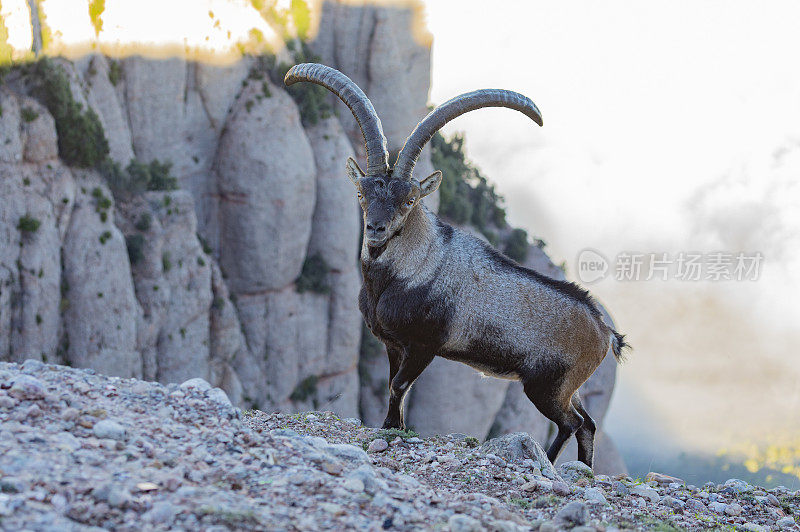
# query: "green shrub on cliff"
137,177
81,139
314,276
28,224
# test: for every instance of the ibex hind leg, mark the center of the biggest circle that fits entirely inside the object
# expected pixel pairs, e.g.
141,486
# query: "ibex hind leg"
548,399
585,434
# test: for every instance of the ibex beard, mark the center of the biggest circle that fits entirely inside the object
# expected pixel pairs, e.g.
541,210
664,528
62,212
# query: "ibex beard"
431,289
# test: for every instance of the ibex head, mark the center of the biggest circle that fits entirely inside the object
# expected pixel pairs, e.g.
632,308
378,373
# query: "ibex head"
389,194
387,201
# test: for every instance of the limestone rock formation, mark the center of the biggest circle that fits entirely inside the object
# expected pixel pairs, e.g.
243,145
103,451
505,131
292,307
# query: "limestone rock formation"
101,308
247,275
266,187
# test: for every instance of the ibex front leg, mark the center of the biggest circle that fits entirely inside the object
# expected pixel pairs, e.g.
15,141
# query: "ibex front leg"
412,365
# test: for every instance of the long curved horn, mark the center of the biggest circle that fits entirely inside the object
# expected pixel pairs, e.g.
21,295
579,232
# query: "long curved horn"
346,89
451,109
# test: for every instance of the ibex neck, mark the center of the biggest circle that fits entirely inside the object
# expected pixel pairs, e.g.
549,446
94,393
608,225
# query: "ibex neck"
409,253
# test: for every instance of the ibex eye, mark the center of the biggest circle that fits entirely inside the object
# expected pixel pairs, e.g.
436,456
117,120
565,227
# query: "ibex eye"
359,194
410,202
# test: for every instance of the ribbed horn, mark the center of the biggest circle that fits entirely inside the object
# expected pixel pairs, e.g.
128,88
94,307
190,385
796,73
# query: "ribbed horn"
346,89
451,109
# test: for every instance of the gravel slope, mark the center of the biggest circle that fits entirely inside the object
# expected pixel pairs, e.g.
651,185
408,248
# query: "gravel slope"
80,451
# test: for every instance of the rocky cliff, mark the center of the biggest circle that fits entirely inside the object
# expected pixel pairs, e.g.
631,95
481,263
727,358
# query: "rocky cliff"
219,239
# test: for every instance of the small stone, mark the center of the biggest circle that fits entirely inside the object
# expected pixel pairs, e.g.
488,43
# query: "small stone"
672,502
332,508
547,526
738,486
172,483
717,507
573,471
529,486
785,523
662,479
773,500
5,505
353,484
109,429
162,512
219,396
574,512
594,496
32,365
65,441
70,414
414,440
347,452
753,527
7,402
33,411
332,467
620,488
352,421
464,523
27,387
146,486
197,383
140,387
517,447
377,446
647,492
118,497
561,488
733,509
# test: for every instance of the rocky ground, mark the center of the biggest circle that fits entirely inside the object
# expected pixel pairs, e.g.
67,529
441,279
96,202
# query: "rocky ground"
81,451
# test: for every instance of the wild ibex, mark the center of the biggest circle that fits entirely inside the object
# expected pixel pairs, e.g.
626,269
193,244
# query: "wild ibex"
431,289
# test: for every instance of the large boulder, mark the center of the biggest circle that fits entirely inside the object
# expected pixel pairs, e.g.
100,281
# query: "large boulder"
103,88
172,276
517,447
154,92
385,49
101,308
38,133
11,142
336,221
287,334
267,189
30,266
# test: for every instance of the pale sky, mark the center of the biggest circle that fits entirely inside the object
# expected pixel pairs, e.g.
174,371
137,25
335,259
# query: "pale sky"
669,126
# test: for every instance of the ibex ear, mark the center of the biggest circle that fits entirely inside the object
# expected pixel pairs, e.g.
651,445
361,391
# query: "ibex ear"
430,183
353,171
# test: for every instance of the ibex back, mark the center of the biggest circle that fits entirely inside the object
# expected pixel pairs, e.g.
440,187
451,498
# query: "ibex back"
431,289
